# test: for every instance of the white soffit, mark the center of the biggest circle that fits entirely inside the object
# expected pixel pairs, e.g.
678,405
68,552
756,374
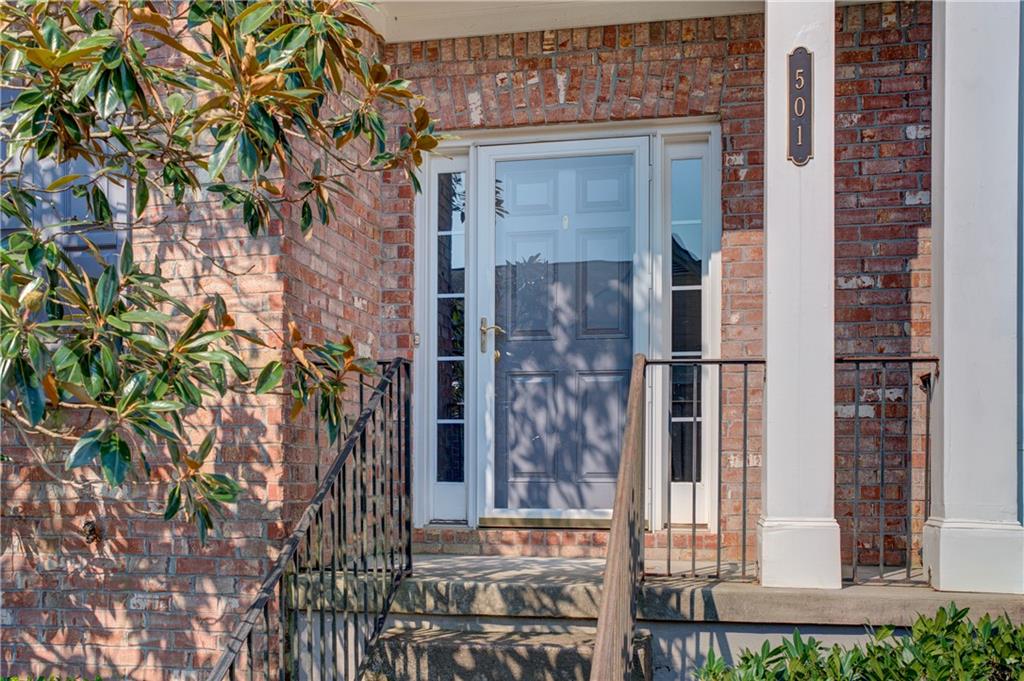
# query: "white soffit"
406,20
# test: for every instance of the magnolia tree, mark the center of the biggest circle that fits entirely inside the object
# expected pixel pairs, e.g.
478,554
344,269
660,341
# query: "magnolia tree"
185,100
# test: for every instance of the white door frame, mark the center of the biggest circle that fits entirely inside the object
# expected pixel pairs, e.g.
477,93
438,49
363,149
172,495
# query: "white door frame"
487,158
468,145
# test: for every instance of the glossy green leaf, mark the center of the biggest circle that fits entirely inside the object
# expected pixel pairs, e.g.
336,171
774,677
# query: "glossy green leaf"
106,290
254,17
269,377
220,157
141,197
85,85
29,388
306,221
173,502
85,450
115,459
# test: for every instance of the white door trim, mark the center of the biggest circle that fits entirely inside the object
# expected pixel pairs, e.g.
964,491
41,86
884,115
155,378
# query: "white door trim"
468,144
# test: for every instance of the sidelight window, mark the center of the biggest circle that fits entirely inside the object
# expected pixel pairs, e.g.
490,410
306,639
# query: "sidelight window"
451,325
687,263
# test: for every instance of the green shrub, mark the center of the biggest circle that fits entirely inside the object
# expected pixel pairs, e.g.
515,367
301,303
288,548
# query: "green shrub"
946,646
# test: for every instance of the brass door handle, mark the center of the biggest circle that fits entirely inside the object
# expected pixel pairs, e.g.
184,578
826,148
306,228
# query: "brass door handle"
484,328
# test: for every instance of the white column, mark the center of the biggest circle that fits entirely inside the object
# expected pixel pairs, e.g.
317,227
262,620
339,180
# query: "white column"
973,540
798,533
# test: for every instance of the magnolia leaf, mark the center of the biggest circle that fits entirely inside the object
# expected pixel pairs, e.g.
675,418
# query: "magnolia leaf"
163,405
148,16
239,367
422,118
220,156
206,447
41,57
175,103
141,197
62,181
131,390
173,502
254,16
269,377
50,389
115,459
248,158
306,221
126,259
145,317
106,290
85,450
30,391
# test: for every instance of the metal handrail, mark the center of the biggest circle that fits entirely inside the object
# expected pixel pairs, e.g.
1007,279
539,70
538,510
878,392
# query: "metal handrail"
613,648
395,377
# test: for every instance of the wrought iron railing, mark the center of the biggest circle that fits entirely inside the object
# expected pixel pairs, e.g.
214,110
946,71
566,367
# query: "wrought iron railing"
883,471
722,402
325,601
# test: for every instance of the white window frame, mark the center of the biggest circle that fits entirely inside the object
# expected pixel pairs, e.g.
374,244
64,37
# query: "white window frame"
440,501
708,150
462,148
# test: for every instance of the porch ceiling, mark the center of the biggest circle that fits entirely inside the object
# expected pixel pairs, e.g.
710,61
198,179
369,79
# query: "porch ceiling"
404,20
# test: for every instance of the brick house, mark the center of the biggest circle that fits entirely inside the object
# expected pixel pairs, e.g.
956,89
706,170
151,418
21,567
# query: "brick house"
627,178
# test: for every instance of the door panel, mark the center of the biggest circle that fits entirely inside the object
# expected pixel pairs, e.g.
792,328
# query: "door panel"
564,240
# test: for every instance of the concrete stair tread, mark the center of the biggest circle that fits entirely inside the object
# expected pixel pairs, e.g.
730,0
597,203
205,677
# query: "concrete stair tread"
497,638
439,654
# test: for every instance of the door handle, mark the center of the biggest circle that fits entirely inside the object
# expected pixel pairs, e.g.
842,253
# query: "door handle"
484,328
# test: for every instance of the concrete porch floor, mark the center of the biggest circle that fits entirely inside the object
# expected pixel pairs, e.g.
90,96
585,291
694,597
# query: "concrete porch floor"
570,588
476,603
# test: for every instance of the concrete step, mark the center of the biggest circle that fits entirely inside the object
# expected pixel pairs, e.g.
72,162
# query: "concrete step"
535,588
432,654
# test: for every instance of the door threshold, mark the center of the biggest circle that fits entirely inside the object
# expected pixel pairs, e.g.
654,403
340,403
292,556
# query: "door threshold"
545,523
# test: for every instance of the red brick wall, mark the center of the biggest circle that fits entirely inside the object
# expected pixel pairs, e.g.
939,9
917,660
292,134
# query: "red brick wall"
145,598
883,262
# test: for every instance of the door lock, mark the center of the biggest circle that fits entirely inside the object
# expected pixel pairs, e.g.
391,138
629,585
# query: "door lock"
484,328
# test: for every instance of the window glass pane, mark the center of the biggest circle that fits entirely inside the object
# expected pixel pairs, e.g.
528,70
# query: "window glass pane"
449,452
684,440
451,202
450,386
683,390
686,313
450,327
687,230
451,263
55,212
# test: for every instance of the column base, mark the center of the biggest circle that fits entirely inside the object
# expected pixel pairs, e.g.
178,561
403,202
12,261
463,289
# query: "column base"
800,553
974,555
